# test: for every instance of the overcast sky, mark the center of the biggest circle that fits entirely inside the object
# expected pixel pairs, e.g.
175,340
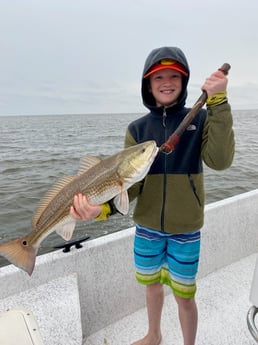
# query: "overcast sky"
82,56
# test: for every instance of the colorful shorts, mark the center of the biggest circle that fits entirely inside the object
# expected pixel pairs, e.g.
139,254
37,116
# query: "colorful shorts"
170,259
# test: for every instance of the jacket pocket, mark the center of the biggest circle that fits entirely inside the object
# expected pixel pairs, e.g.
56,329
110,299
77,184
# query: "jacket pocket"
193,187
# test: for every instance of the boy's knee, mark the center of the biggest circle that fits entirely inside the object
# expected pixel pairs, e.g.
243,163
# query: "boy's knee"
185,303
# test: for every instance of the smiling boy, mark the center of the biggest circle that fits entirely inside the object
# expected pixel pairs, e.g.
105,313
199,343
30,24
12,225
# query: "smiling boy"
169,212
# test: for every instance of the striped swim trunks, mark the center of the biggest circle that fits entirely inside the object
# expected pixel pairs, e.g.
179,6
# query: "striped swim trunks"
170,259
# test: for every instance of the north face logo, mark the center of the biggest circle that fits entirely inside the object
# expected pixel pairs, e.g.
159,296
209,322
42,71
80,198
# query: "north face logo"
191,128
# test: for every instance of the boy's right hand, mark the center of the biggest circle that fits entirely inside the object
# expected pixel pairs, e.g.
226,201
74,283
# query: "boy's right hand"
83,210
216,83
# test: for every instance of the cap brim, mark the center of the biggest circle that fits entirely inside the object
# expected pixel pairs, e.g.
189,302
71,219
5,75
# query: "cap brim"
159,68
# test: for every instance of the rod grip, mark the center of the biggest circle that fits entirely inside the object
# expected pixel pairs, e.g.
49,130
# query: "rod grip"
225,68
174,138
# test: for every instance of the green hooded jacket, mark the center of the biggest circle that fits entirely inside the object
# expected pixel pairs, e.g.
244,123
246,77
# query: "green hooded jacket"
171,197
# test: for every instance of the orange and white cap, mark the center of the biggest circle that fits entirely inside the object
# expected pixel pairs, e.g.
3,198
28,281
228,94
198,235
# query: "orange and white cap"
164,64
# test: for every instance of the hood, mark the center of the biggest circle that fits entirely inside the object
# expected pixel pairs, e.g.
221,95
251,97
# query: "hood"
154,57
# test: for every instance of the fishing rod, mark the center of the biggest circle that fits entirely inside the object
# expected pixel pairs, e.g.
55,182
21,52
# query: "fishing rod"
174,138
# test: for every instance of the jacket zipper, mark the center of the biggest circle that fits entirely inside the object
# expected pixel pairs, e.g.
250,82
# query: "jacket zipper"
165,173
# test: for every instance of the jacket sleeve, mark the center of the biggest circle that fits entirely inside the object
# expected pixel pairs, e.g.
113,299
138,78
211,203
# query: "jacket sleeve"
218,143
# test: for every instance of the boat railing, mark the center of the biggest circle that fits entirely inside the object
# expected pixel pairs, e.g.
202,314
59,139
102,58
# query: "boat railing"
251,322
254,308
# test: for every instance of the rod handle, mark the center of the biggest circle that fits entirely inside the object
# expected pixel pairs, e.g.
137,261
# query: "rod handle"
225,68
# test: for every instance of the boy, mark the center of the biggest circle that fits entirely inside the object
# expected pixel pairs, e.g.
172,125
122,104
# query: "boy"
170,200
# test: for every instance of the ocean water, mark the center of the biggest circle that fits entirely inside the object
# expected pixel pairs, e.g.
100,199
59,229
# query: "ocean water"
37,150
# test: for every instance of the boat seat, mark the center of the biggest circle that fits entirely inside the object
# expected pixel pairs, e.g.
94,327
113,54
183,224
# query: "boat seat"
19,327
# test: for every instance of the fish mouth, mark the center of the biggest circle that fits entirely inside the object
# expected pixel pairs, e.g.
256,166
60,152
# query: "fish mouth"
155,152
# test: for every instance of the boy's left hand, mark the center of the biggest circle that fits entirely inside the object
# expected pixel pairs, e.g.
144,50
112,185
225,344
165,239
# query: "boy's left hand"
82,209
217,82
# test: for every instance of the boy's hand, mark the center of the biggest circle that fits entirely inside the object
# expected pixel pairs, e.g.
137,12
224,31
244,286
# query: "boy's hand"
82,210
216,83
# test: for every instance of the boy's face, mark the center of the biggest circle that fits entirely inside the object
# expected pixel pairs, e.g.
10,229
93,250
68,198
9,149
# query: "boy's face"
166,86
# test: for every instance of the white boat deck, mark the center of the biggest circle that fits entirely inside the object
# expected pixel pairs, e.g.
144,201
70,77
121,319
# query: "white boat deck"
223,303
89,296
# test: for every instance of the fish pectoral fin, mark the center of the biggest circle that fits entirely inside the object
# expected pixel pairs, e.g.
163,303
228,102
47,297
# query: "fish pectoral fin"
121,202
66,228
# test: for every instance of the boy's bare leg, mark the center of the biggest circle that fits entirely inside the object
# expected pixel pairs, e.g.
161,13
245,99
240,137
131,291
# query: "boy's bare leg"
154,301
188,316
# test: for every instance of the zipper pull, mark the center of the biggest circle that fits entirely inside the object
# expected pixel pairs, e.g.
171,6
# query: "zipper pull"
164,116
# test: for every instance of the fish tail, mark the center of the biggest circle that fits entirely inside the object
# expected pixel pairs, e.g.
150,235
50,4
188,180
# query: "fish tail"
20,253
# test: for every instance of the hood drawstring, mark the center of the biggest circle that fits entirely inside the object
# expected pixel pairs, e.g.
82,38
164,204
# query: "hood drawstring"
164,116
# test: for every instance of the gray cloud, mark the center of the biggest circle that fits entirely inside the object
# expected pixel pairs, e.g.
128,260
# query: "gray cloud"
82,57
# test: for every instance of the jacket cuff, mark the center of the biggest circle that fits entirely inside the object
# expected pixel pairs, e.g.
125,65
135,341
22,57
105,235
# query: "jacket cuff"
217,98
105,212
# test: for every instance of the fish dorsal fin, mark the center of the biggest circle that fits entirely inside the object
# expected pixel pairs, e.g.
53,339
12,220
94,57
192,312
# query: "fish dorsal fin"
121,202
87,162
66,227
53,191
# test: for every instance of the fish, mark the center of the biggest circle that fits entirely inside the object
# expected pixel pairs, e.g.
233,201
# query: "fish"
101,180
